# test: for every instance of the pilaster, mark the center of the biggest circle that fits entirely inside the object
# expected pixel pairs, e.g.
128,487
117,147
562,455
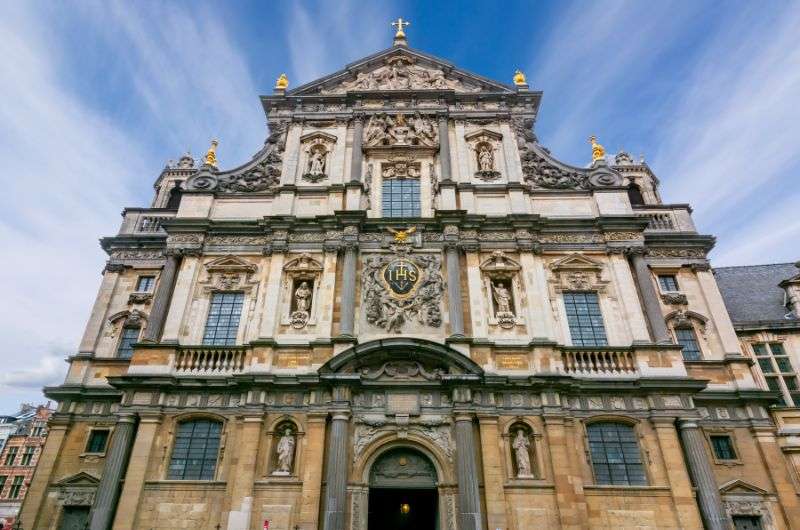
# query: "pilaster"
336,475
100,310
777,467
570,498
313,452
348,293
652,307
469,514
30,514
493,478
181,297
244,469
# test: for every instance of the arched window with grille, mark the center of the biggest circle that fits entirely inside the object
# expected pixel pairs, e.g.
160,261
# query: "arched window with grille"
615,454
196,450
635,195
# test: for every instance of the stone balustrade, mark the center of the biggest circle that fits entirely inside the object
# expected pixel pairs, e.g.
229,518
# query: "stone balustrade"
666,218
144,220
599,362
210,360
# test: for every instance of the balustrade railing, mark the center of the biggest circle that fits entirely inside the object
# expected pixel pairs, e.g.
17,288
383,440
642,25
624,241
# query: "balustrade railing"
599,362
211,360
659,221
151,223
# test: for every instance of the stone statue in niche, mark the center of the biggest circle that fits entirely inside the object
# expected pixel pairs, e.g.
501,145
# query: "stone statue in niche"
302,305
315,171
521,445
504,304
485,158
484,154
285,453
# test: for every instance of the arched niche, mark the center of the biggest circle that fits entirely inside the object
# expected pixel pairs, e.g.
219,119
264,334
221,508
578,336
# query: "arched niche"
402,467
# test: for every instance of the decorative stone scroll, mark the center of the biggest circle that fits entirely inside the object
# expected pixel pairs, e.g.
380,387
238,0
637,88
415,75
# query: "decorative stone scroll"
401,130
403,289
501,283
302,277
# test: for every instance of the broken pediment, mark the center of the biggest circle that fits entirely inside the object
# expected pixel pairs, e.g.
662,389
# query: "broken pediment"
230,264
396,69
79,479
740,487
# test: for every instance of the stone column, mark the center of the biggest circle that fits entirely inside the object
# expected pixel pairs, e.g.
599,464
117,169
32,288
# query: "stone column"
708,497
677,474
444,147
652,307
357,155
469,496
158,313
108,491
454,290
336,475
347,307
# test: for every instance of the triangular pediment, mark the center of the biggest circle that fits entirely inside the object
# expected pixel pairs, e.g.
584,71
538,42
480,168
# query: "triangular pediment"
400,69
79,479
740,487
576,262
230,264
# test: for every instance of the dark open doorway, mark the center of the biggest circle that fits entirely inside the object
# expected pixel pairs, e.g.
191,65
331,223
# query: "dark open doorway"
402,509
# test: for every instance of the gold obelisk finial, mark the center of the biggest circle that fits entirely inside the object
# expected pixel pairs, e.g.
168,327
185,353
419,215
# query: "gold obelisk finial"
282,83
211,155
400,35
598,151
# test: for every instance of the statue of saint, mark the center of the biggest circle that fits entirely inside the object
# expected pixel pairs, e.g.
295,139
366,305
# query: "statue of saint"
285,452
316,164
502,297
486,159
302,298
521,445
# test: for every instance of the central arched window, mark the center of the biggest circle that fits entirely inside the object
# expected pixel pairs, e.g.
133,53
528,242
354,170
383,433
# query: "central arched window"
194,456
615,454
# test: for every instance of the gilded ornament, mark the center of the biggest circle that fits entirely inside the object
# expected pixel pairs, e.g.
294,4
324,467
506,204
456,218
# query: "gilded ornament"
282,83
211,154
519,78
598,151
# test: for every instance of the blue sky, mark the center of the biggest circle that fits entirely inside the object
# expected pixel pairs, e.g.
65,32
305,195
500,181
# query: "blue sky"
98,95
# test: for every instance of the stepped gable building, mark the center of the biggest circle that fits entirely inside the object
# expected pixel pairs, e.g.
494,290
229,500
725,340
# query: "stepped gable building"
404,312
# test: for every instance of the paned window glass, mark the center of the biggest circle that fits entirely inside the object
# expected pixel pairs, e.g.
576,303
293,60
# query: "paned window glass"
747,522
27,456
616,458
668,283
723,447
130,336
16,487
688,340
585,319
145,284
3,479
778,371
194,456
400,198
222,324
97,441
11,455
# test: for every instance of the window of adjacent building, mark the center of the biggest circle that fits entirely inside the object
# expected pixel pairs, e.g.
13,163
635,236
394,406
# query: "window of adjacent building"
668,283
585,319
3,479
130,336
222,324
401,198
98,438
687,338
778,371
747,522
145,284
27,456
722,444
194,456
38,431
615,454
11,455
16,487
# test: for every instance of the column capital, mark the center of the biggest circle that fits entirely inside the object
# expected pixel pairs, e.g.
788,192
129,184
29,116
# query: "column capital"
687,424
464,416
660,422
636,251
340,415
127,417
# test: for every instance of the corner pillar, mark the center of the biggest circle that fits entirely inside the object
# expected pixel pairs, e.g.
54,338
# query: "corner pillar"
652,307
778,468
108,491
708,497
161,300
469,497
336,475
241,492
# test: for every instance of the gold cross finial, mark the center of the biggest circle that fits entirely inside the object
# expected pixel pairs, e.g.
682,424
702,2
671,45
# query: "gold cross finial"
400,24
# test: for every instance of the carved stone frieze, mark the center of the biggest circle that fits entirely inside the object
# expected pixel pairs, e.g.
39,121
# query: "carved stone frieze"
401,371
623,236
233,240
674,298
402,130
137,254
571,237
662,252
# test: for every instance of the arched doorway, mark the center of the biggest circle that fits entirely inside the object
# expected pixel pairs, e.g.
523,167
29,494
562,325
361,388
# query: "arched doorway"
402,492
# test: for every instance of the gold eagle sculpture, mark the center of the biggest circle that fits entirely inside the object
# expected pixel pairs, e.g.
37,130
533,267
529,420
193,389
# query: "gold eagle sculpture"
401,236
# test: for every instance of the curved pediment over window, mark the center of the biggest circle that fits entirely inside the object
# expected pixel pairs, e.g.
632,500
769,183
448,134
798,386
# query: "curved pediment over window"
402,359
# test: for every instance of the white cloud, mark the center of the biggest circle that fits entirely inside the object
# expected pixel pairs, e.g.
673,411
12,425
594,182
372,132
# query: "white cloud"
48,371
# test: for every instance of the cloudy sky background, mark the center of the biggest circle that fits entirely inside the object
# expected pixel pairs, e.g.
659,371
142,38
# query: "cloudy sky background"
95,96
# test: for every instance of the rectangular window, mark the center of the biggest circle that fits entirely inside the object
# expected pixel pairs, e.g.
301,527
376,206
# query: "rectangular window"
401,198
97,441
145,284
585,319
668,283
778,371
747,522
3,479
16,487
723,447
194,455
11,455
688,340
222,324
27,456
615,455
130,336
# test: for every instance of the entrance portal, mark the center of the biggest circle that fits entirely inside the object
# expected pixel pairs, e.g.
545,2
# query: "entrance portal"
402,493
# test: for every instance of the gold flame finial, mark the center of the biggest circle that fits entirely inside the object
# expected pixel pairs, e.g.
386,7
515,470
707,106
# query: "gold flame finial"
598,151
519,78
282,82
400,24
211,155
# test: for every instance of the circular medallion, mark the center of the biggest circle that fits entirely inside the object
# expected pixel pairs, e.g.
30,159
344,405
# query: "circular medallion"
401,277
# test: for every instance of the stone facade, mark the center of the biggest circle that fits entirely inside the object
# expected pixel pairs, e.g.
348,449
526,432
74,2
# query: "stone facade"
424,299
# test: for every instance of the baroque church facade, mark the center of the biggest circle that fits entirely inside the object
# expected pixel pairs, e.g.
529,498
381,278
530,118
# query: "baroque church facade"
405,312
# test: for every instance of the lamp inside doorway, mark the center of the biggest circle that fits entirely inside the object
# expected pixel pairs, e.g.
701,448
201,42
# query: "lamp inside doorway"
405,508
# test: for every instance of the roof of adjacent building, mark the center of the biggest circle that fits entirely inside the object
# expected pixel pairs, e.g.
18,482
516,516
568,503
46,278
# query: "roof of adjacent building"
752,292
